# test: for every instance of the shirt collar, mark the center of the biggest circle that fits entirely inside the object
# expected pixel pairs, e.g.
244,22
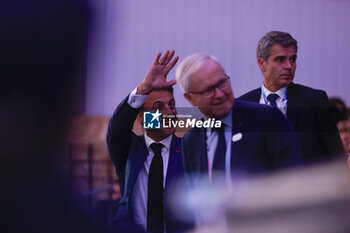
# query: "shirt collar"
282,92
226,120
166,141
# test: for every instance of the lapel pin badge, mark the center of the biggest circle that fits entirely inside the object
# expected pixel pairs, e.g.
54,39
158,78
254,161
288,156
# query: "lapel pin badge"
237,137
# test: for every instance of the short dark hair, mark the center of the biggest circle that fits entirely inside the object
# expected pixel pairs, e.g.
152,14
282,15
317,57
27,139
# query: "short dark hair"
169,88
270,39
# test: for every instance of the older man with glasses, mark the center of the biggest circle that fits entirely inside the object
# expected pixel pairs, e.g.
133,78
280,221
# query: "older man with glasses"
253,139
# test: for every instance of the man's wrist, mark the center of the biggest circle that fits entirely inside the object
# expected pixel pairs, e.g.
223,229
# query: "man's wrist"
136,100
143,89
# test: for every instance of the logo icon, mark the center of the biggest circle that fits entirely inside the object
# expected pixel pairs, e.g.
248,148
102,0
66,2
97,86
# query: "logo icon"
151,120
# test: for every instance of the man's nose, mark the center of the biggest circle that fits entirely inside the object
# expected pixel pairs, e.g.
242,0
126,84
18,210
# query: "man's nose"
288,65
218,92
169,110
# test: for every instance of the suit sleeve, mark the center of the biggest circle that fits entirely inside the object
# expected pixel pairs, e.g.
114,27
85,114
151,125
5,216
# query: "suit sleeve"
120,135
282,142
328,131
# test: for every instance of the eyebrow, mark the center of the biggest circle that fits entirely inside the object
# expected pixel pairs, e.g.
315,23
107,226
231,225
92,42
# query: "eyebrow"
156,102
279,57
161,102
220,81
294,55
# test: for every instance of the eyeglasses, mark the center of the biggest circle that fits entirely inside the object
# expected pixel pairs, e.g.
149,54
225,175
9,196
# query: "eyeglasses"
209,93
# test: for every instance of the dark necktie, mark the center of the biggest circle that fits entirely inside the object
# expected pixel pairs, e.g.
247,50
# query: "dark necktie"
220,152
155,210
272,99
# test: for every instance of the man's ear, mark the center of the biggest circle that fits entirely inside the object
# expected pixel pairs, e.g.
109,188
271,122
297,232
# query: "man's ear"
190,99
139,117
261,64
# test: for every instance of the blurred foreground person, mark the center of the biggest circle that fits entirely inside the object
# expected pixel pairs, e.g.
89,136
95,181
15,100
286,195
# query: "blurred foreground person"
307,109
341,118
42,50
147,166
344,131
338,109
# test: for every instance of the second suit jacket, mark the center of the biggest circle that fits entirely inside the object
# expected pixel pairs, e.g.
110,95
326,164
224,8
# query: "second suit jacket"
128,153
308,112
268,142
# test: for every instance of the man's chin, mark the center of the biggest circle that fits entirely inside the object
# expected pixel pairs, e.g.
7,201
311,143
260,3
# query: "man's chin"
160,134
222,110
218,113
287,80
169,131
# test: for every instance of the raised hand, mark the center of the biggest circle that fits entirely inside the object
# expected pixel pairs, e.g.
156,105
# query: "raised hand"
157,73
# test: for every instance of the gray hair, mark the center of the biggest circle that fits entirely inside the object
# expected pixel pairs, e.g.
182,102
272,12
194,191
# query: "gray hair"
270,39
188,67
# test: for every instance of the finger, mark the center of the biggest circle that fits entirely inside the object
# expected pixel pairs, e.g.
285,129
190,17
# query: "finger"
171,54
163,59
172,64
156,60
171,83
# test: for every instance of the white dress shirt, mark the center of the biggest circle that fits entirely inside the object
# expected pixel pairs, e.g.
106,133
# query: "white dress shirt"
212,141
281,101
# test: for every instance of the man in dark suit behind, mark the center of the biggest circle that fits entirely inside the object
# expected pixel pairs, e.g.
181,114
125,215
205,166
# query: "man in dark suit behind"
307,109
254,138
147,166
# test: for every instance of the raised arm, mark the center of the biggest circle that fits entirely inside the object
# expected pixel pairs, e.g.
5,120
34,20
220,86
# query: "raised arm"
157,74
119,134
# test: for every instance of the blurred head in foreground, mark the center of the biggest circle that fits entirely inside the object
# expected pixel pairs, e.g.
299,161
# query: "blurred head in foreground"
42,49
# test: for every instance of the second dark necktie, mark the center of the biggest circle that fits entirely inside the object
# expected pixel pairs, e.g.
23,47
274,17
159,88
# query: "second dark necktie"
220,152
155,209
272,99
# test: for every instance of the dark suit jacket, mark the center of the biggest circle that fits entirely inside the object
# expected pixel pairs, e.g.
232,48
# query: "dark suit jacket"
309,113
268,142
128,153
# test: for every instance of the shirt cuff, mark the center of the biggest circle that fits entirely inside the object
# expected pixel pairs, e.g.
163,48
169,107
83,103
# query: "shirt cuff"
135,100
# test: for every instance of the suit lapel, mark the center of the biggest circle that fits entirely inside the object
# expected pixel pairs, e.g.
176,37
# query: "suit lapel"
257,95
197,152
174,167
137,163
238,115
202,151
292,105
